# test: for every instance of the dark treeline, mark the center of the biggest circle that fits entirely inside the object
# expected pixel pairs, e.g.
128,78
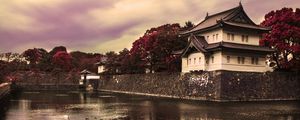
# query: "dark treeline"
38,59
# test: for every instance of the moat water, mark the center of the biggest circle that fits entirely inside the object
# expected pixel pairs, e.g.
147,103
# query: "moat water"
73,105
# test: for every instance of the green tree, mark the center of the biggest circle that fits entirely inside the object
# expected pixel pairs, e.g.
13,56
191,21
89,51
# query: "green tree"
112,63
188,25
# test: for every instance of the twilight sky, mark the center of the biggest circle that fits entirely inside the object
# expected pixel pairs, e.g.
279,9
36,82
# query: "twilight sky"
105,25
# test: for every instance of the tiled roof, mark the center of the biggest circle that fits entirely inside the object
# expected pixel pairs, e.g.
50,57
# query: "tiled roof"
227,16
85,71
178,52
212,20
198,42
246,26
201,45
238,46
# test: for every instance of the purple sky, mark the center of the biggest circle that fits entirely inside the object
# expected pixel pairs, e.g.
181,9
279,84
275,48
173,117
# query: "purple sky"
105,25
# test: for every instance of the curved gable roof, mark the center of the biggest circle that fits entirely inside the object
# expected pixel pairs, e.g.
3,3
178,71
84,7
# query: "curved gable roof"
197,42
234,15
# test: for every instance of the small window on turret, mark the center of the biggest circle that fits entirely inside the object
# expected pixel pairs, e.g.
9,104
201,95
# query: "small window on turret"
243,38
228,36
256,61
241,60
228,59
199,60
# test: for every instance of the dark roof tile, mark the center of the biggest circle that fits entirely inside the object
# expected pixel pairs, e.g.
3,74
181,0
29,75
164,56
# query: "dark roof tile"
247,26
238,46
226,16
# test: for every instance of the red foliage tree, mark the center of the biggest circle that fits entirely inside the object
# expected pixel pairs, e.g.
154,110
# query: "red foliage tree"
62,60
155,48
284,37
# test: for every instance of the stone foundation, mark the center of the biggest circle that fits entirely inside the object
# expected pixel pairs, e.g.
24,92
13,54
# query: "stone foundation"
27,80
259,86
211,86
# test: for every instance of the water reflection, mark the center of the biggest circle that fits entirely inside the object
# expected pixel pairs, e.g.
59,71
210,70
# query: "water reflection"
75,105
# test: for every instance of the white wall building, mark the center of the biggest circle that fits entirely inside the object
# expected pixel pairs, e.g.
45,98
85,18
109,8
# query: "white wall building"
228,40
100,69
101,65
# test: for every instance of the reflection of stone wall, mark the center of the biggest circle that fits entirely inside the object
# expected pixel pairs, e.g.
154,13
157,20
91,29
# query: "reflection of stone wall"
216,85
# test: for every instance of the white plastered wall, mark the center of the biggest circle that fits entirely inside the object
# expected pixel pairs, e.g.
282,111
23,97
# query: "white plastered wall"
211,33
100,69
184,67
197,61
194,61
253,39
216,63
233,64
220,62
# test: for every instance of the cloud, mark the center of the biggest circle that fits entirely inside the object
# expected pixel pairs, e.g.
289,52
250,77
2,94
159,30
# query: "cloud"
12,15
124,41
100,26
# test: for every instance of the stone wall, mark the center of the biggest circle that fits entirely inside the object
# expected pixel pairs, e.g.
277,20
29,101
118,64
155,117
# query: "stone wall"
196,86
47,81
260,86
212,86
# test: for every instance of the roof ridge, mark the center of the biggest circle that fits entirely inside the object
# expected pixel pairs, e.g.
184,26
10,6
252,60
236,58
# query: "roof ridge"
238,46
209,16
224,42
252,26
232,9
